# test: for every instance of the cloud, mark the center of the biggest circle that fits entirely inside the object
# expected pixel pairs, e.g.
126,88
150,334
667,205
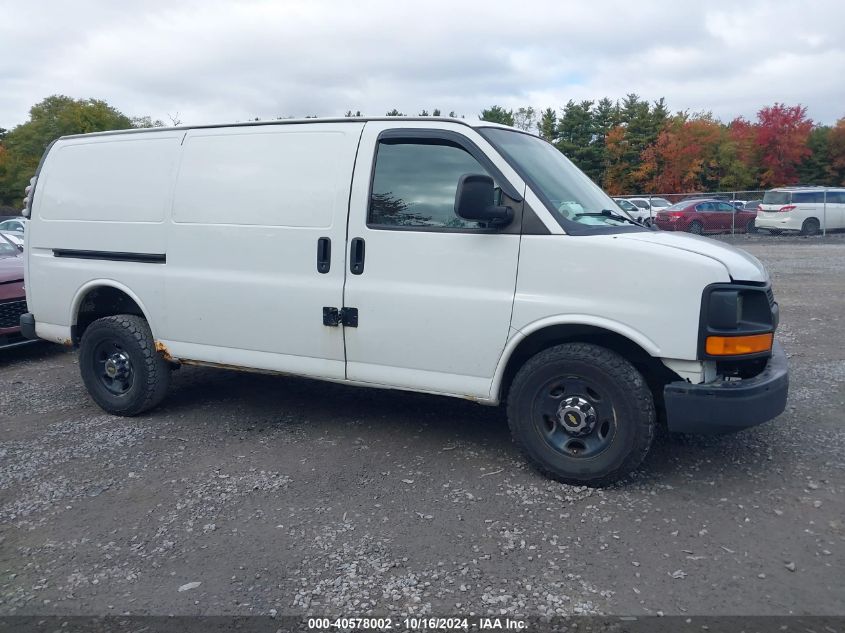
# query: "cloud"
223,61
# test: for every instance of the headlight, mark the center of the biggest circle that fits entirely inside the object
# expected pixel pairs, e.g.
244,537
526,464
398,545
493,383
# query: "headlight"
737,320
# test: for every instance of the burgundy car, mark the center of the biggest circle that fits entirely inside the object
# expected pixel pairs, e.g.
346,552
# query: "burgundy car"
12,297
703,215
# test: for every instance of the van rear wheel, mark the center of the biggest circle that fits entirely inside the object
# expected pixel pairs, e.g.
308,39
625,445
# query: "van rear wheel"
581,414
120,366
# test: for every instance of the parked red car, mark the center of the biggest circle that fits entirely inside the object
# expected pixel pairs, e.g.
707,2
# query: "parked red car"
12,296
705,215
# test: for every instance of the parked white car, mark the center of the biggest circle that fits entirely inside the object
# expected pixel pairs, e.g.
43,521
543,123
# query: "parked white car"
804,209
13,226
651,206
638,213
443,256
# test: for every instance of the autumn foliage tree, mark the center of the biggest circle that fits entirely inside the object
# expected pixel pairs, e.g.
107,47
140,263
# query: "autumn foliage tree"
781,137
684,157
836,153
617,170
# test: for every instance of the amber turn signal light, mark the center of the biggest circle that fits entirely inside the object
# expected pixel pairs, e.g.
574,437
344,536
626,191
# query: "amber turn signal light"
737,345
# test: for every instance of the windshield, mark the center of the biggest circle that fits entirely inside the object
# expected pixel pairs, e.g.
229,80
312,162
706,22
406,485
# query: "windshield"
570,195
659,202
776,197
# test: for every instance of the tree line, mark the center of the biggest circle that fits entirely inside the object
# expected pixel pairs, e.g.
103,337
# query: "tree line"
637,146
627,146
22,147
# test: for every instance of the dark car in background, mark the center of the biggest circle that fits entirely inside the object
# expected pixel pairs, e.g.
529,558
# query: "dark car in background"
12,296
708,215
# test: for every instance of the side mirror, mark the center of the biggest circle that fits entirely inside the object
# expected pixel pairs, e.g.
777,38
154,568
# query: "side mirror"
474,200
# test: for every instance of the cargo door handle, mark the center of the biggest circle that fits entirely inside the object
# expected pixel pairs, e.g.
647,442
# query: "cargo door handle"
356,259
324,255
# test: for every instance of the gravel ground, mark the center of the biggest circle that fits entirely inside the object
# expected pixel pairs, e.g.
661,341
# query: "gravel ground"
252,494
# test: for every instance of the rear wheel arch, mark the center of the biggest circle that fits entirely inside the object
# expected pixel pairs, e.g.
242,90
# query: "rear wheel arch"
102,298
810,226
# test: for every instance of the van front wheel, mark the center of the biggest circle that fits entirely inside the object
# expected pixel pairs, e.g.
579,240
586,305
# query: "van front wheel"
581,414
120,366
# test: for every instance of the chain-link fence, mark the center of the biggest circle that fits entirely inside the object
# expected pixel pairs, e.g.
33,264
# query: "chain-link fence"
806,210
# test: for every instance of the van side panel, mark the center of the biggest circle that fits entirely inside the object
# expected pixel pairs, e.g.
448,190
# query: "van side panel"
100,195
250,205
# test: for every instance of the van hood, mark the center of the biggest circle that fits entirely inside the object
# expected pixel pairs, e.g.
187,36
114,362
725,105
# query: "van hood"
741,265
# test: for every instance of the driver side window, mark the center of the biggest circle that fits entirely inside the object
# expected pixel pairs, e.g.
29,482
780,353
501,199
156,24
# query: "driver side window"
415,182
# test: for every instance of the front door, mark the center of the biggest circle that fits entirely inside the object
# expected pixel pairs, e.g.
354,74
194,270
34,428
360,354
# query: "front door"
434,292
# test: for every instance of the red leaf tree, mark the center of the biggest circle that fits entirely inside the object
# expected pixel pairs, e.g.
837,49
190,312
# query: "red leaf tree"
781,134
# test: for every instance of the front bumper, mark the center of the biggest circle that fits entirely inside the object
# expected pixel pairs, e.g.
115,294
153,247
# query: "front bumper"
782,223
28,326
728,406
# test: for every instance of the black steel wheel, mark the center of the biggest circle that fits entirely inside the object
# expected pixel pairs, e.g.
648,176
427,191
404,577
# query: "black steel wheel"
573,416
581,414
113,367
120,367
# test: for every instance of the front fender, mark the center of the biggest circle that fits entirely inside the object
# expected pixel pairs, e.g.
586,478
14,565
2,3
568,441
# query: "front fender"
517,336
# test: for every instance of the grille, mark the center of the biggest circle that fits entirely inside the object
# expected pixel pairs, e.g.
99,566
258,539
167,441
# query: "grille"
771,296
10,313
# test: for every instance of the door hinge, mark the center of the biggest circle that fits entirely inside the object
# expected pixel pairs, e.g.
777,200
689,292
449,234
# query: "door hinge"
349,317
333,317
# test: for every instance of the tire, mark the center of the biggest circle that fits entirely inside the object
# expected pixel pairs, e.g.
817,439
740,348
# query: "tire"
751,227
604,388
695,228
810,227
120,366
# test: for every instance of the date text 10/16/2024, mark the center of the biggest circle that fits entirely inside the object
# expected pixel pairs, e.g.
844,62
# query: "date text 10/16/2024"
417,624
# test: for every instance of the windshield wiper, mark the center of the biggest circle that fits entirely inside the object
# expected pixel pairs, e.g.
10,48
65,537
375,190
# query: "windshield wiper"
607,213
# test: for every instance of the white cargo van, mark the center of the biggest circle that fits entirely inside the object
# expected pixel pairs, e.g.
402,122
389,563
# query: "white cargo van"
433,255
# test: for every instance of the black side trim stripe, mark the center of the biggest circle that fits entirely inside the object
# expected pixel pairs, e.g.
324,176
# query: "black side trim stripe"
112,256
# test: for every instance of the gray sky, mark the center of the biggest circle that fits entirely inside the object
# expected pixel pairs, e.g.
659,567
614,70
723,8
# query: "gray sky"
225,61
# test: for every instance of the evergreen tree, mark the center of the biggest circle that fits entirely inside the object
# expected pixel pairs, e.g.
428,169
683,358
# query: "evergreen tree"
813,170
548,125
497,114
575,138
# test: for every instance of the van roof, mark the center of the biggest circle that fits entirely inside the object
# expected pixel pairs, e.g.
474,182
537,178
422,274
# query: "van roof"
398,119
